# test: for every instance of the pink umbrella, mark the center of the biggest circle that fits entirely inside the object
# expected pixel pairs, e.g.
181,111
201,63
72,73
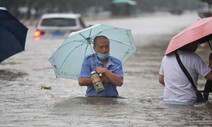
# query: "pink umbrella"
200,30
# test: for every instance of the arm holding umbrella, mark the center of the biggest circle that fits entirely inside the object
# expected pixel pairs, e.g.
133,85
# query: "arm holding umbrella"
191,48
187,41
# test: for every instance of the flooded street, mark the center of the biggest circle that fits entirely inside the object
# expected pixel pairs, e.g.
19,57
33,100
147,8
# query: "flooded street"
24,103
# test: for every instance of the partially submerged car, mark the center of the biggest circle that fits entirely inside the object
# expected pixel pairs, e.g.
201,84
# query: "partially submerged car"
58,25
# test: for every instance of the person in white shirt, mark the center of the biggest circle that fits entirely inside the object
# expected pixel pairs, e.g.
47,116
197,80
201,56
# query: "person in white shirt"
178,89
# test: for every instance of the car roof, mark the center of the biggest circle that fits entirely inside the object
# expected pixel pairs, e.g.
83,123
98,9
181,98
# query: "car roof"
61,15
3,8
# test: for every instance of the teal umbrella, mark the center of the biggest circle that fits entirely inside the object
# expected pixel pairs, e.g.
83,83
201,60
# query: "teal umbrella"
67,59
131,2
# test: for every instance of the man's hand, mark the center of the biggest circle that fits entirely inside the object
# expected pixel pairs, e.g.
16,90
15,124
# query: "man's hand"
101,70
109,77
161,80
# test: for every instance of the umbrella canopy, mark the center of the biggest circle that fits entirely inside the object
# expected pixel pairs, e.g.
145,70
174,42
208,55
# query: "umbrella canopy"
201,30
131,2
12,35
67,59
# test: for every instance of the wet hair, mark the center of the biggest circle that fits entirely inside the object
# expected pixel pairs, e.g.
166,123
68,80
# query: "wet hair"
98,37
191,47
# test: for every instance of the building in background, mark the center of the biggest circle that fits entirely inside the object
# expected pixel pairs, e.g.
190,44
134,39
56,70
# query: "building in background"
123,7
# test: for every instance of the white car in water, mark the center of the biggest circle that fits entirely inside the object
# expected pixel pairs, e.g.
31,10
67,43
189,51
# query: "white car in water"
58,25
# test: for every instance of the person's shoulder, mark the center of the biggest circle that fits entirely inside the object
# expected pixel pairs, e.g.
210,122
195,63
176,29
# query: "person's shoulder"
192,55
115,60
188,54
89,56
171,55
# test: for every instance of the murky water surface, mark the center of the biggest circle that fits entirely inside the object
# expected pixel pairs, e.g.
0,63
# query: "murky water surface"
25,102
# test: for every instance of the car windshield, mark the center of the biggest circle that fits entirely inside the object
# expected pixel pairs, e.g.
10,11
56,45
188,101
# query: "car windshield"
58,22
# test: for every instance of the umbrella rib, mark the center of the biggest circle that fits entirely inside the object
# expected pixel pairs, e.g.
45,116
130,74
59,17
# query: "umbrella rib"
85,36
21,26
90,33
102,31
120,42
87,48
83,42
70,53
82,35
109,38
14,36
84,45
71,42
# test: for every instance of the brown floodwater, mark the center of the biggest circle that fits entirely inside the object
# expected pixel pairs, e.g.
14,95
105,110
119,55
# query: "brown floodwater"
31,96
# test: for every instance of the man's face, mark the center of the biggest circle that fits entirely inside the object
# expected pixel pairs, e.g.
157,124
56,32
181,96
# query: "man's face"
102,46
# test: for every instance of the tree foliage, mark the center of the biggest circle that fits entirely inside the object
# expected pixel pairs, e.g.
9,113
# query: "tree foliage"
82,6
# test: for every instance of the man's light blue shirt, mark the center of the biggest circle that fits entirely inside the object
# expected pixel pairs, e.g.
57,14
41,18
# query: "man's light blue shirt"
89,65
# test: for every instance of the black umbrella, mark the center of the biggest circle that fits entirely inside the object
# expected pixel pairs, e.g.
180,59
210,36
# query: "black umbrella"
12,35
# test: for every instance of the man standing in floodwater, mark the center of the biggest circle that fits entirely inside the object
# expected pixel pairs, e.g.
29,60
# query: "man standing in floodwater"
102,63
178,89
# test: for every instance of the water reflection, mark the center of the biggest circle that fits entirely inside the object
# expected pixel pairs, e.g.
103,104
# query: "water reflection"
101,101
24,103
10,75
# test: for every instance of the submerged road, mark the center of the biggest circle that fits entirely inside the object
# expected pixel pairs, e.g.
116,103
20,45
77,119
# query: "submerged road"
25,104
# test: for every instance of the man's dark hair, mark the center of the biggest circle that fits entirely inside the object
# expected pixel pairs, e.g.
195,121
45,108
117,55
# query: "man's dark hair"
97,37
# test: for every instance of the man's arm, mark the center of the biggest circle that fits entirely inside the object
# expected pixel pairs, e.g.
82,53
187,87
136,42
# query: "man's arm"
85,81
84,78
109,76
161,79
